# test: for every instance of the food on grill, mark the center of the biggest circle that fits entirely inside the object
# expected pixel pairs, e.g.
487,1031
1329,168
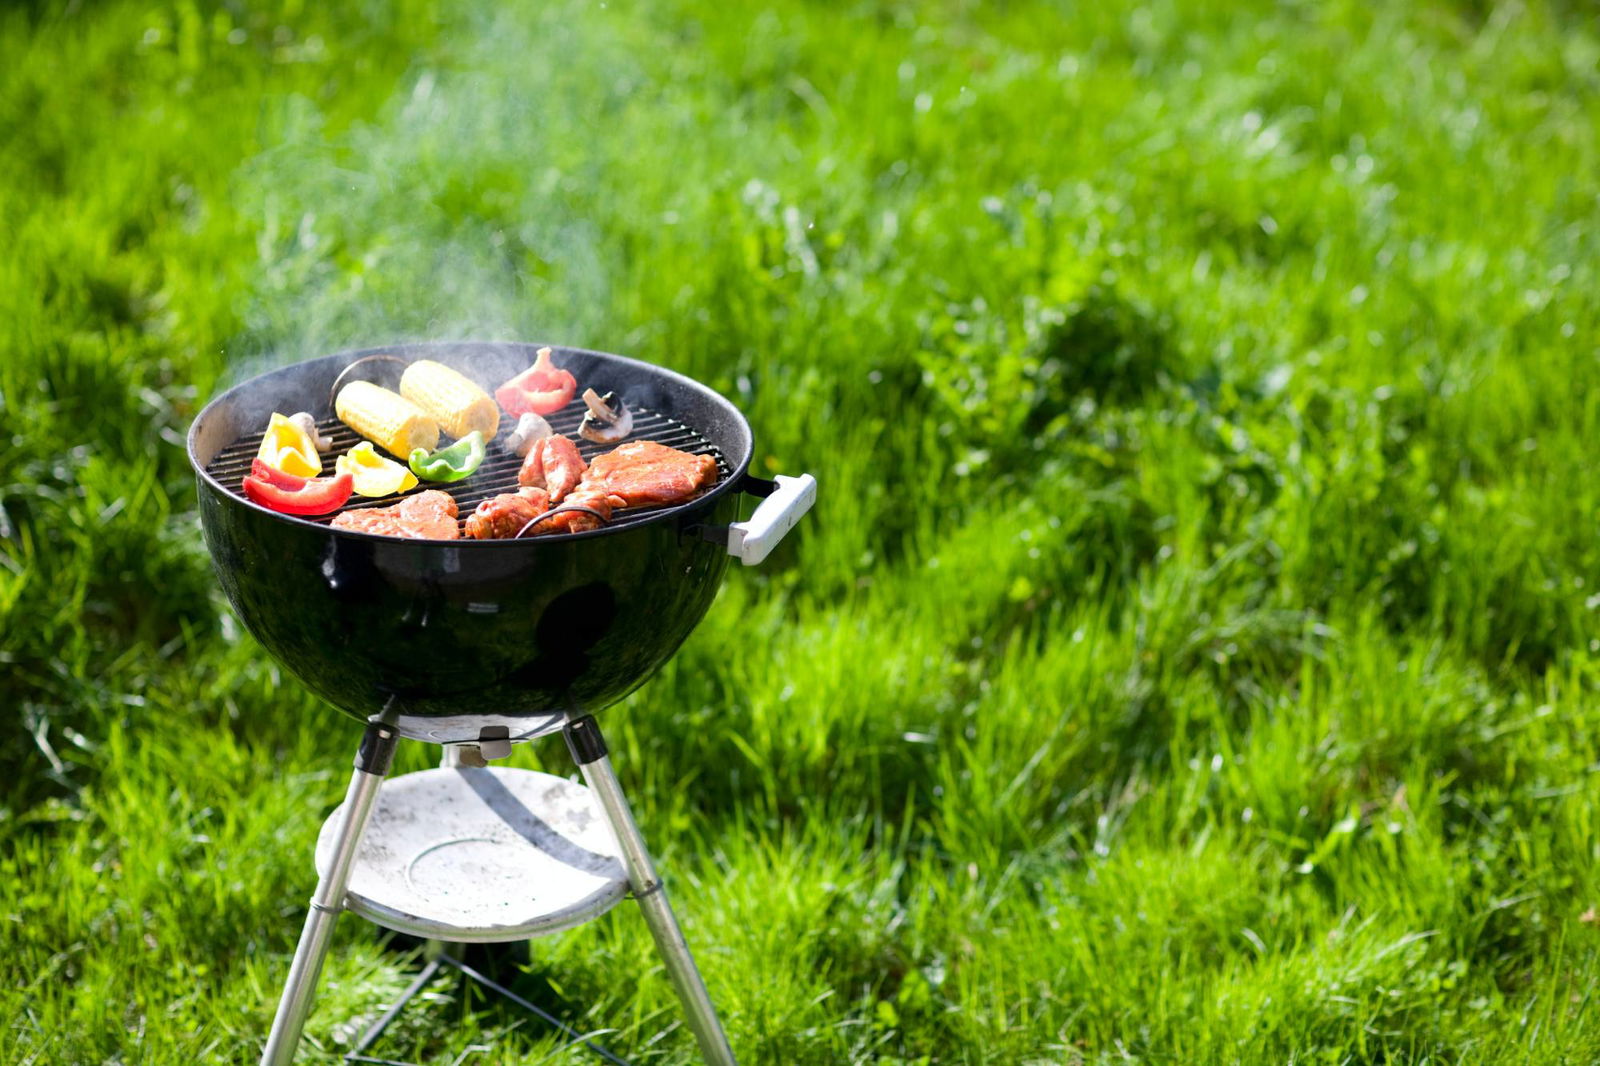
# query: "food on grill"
450,464
560,492
587,508
541,389
608,419
373,474
289,494
386,418
450,398
531,429
643,473
527,513
289,448
508,514
639,474
308,424
554,464
429,515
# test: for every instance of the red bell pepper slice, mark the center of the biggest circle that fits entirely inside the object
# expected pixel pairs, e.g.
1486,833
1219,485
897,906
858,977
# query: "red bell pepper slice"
290,494
541,389
260,468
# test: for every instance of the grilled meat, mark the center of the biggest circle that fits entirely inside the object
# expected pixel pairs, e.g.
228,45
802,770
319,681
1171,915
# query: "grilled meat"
639,474
553,464
429,515
578,521
643,473
508,514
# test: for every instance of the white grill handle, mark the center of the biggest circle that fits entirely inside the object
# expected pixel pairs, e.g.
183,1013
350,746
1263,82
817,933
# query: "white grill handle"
754,539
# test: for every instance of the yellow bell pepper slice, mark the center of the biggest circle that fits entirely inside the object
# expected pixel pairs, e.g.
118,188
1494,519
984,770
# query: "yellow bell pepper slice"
287,447
372,473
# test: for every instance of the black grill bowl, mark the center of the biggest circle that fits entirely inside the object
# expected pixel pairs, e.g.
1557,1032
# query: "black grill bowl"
456,641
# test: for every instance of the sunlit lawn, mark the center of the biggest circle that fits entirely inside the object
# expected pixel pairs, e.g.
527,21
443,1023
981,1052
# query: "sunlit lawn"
1193,656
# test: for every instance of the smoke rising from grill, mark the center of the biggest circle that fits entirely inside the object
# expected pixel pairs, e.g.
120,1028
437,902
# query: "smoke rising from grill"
466,208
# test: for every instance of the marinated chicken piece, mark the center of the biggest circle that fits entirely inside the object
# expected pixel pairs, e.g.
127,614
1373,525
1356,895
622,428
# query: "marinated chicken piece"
508,514
552,464
643,473
585,495
429,515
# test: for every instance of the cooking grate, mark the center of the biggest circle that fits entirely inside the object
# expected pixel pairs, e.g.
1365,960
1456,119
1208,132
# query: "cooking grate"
499,470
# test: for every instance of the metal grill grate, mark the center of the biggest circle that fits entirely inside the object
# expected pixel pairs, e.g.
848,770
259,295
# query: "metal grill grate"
498,473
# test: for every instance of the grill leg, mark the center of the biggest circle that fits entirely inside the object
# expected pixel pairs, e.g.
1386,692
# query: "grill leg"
589,751
453,757
372,763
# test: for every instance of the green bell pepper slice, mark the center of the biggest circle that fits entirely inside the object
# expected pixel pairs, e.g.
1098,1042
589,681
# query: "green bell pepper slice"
449,464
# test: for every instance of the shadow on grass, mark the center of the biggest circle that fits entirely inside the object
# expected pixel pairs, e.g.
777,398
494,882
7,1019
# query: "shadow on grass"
426,1028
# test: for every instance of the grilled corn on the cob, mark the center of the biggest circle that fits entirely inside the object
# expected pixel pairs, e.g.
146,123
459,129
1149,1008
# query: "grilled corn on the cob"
388,419
450,399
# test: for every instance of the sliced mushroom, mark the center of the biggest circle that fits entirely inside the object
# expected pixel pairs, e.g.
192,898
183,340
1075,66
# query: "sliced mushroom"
608,419
531,428
304,420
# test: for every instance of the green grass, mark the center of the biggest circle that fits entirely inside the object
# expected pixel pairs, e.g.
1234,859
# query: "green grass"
1193,656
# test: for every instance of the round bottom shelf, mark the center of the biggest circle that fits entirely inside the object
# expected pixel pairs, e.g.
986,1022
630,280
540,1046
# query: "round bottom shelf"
481,856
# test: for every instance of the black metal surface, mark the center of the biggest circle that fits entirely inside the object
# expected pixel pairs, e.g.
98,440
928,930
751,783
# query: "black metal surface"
452,637
585,741
377,749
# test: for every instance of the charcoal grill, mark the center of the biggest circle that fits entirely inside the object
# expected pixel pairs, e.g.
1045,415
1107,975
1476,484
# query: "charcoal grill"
475,645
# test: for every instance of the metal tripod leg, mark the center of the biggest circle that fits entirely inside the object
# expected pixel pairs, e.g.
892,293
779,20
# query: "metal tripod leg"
453,757
588,749
372,763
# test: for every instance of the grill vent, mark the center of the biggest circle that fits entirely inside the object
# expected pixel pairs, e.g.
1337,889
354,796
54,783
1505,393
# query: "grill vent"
499,470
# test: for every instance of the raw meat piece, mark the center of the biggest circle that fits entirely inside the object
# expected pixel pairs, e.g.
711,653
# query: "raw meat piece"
429,515
643,473
508,514
554,464
596,499
639,474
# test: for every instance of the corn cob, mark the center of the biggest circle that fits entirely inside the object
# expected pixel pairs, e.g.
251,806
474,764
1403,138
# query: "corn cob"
451,399
388,419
